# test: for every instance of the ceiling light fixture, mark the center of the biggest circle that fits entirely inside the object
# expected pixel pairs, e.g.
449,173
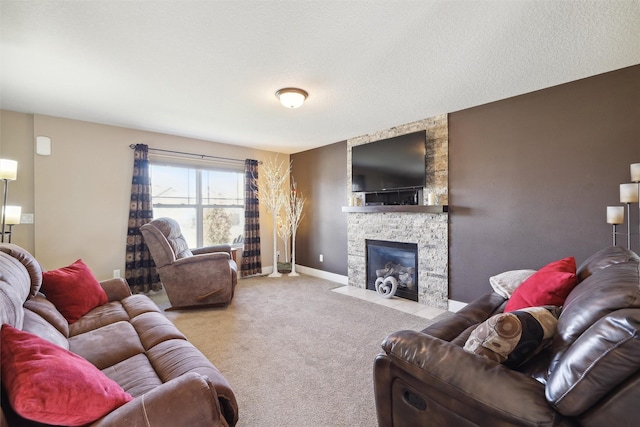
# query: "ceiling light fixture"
291,97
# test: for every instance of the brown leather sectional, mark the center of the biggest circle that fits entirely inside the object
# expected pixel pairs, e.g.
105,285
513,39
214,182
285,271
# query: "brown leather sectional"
129,340
589,376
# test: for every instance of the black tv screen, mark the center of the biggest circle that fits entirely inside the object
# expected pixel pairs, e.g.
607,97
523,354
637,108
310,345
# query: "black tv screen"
389,164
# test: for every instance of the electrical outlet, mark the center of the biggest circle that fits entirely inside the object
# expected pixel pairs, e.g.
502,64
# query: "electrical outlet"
321,258
26,218
116,274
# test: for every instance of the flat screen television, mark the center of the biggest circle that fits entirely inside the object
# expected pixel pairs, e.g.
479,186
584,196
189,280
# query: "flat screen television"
389,164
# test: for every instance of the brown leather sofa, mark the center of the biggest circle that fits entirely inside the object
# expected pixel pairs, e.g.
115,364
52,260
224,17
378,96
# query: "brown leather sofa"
129,340
589,376
192,277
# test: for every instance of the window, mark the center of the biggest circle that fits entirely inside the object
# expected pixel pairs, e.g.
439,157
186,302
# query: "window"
208,203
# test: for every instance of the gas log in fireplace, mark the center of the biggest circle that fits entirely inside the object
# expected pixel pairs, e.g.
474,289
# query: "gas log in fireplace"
393,264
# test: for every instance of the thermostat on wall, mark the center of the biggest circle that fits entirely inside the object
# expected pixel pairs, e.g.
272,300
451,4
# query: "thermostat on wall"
43,145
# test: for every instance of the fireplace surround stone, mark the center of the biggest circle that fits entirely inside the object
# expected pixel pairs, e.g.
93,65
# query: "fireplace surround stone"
430,231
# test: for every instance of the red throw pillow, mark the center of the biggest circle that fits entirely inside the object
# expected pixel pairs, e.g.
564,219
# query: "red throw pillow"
548,286
74,290
48,384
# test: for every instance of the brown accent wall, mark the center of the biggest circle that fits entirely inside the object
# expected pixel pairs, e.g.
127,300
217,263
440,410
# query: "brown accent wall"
530,177
321,175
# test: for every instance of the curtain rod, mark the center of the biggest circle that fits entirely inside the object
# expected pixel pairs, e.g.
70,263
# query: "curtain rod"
202,156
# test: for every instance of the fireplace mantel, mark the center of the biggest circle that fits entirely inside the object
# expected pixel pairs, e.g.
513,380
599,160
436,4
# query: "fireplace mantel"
435,209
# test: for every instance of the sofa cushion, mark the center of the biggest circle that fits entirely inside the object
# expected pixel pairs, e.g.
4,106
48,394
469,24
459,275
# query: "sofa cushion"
74,290
32,267
505,284
135,375
548,286
604,258
603,292
37,325
119,338
513,338
600,360
100,316
48,384
45,308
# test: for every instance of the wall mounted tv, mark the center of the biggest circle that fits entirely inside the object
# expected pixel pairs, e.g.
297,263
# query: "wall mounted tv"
389,164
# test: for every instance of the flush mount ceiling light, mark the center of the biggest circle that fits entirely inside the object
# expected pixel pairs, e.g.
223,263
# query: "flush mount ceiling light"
291,97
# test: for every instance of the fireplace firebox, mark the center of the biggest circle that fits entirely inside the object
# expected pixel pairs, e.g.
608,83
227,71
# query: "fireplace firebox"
393,262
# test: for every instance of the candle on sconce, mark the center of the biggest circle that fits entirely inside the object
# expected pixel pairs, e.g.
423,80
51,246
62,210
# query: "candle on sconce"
629,193
635,172
615,215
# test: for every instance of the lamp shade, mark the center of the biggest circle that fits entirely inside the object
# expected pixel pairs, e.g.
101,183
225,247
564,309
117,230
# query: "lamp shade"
12,215
8,169
629,193
615,214
635,172
291,97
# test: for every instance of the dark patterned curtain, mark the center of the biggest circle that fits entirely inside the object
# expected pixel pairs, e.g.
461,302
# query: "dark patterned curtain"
251,262
140,270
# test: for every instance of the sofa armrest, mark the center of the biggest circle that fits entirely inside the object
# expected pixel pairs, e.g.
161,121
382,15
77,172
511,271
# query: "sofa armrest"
116,289
212,249
202,258
425,378
189,400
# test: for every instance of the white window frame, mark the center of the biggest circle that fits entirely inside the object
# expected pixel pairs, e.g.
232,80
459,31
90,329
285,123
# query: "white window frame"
198,205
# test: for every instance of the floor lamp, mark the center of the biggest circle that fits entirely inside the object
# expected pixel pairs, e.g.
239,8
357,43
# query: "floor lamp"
629,194
8,172
635,177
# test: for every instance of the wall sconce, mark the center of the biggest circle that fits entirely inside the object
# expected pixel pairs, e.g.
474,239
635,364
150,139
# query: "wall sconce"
8,172
292,97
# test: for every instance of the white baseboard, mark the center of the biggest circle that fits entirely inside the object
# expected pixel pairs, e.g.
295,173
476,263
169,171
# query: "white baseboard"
453,305
343,280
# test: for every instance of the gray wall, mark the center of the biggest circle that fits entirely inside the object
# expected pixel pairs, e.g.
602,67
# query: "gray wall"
529,181
321,175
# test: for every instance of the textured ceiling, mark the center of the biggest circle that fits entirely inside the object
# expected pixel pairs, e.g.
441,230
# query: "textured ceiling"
209,69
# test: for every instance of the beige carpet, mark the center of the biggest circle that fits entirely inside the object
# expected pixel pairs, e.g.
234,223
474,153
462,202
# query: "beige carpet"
295,353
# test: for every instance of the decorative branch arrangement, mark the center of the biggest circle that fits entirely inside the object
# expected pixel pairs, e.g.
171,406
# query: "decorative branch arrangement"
294,214
284,231
271,195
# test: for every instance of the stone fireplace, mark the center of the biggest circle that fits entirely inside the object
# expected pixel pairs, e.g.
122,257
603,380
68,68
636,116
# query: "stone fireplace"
427,230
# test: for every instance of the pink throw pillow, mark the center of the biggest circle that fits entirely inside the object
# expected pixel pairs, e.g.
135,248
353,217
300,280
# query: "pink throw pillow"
74,290
49,384
548,286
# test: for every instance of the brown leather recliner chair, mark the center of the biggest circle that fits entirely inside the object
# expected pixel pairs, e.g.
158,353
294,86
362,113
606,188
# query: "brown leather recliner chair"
589,376
192,277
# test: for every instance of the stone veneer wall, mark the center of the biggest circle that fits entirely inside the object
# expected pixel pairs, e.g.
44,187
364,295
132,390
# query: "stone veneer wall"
429,231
